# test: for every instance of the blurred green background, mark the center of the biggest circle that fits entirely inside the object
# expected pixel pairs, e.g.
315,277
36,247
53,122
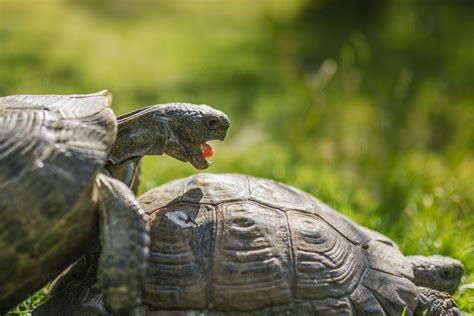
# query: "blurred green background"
368,105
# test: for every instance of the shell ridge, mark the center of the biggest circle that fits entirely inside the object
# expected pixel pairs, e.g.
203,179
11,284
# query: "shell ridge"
210,276
291,252
385,272
60,104
297,210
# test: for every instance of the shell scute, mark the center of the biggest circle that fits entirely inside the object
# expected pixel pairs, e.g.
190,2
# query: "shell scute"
394,293
384,257
365,302
326,265
158,198
340,223
283,197
333,307
251,259
269,246
180,252
203,189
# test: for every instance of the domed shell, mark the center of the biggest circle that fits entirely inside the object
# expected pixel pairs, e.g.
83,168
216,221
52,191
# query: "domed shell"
52,145
222,243
51,148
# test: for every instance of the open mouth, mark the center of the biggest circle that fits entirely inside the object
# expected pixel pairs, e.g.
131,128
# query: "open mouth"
200,154
207,151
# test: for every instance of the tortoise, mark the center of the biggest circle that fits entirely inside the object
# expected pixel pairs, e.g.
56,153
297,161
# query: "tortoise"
240,245
59,155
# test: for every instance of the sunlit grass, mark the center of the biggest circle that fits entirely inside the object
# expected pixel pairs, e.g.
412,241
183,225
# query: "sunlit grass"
368,108
27,306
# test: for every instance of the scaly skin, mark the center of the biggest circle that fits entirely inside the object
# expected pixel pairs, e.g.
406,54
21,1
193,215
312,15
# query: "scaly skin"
435,303
117,265
437,272
124,243
175,129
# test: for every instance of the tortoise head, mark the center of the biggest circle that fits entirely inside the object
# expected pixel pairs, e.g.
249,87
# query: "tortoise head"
179,130
192,126
437,272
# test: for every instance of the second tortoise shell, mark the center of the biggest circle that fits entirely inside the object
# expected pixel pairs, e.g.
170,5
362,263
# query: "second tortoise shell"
234,243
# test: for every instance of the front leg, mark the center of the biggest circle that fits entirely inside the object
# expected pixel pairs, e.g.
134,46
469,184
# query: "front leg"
435,303
124,241
76,299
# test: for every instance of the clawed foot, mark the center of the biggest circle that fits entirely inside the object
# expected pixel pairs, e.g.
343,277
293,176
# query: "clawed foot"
435,303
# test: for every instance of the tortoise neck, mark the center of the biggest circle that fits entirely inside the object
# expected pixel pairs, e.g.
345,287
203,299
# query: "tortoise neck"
139,135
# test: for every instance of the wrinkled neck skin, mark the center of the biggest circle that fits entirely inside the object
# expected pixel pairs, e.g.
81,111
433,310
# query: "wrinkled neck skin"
139,134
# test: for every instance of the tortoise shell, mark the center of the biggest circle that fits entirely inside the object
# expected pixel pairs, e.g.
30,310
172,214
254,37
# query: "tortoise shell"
51,148
234,243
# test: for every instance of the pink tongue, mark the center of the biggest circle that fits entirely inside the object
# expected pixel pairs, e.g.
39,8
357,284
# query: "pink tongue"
207,150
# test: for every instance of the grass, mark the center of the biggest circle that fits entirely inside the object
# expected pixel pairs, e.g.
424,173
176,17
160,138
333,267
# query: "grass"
27,306
366,105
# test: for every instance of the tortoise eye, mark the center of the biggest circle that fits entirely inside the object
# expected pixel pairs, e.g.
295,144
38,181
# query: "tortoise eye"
211,123
446,274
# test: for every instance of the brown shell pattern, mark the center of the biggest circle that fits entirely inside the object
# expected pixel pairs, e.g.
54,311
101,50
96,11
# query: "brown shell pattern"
222,243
